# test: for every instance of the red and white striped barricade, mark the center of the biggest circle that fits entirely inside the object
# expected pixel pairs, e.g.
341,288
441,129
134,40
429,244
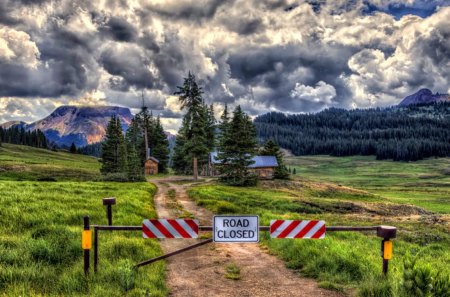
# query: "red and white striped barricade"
170,228
297,229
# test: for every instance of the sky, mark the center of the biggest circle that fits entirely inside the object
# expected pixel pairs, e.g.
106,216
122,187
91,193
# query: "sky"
265,55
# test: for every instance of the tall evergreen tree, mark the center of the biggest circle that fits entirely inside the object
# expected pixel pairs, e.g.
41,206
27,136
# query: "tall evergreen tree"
180,159
222,127
237,150
195,142
210,128
134,142
114,157
73,149
272,149
160,148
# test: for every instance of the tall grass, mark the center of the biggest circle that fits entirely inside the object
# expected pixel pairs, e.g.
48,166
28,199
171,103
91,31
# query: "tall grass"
40,240
41,222
341,260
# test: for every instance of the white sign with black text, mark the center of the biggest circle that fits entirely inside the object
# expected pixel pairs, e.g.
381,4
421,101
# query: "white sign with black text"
236,229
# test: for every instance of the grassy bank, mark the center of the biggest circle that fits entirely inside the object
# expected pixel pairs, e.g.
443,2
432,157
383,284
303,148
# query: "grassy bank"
423,183
41,223
341,261
19,162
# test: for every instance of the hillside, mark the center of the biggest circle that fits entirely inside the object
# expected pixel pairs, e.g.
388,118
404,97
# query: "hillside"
400,133
81,125
19,162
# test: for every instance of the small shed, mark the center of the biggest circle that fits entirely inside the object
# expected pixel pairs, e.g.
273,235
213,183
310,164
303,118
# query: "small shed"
264,166
151,166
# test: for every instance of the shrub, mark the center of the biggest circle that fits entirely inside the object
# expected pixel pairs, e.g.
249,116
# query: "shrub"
116,177
423,280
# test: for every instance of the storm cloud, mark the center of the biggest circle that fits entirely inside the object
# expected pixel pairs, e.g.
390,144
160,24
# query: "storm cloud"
271,55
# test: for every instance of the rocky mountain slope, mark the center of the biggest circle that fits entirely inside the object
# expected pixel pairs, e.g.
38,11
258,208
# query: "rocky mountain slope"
81,125
424,96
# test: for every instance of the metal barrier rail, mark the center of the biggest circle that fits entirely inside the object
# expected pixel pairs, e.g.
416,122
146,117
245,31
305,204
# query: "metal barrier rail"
385,232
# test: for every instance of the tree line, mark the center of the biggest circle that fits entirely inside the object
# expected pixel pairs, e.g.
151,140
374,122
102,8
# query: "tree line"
123,155
18,135
233,137
402,134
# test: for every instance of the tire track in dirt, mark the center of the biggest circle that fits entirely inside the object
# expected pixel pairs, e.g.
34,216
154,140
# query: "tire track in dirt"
201,271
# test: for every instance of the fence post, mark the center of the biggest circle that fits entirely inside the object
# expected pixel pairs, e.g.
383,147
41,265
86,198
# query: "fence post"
86,244
95,248
109,202
387,233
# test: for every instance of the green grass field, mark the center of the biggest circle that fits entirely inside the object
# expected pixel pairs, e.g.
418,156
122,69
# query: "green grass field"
41,223
423,183
351,261
18,162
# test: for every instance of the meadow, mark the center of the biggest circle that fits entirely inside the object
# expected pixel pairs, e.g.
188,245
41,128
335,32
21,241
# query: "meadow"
355,191
43,198
424,183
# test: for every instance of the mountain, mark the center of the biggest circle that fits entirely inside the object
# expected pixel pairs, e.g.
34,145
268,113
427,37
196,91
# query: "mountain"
10,124
81,125
424,96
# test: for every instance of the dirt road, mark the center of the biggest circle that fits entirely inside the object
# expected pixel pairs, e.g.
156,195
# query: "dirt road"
202,271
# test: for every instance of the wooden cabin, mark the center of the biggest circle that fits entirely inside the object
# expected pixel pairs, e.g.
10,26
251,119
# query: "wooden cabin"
151,166
264,166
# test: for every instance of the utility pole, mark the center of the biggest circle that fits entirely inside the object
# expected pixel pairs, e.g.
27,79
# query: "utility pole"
145,119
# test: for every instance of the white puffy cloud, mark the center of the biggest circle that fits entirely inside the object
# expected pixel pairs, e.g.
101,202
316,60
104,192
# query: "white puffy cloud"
16,47
322,93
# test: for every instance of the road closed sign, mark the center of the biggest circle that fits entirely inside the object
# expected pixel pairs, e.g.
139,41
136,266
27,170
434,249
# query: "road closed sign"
236,229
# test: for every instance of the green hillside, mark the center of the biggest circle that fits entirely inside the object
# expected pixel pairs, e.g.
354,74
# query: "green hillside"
424,183
41,223
19,162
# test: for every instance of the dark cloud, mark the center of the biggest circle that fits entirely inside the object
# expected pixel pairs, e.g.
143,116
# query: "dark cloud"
194,11
119,29
5,14
131,64
243,26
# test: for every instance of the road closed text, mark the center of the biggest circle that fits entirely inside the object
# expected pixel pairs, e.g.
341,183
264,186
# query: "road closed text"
236,229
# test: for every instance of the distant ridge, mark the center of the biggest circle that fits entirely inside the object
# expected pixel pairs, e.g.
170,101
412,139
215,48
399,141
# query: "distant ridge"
81,125
424,96
10,124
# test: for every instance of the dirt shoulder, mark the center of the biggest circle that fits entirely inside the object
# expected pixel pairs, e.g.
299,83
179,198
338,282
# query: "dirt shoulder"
202,271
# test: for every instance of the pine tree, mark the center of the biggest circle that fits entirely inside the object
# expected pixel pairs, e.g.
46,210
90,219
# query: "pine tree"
114,157
272,149
73,149
210,128
294,171
237,150
160,148
180,162
134,141
195,141
223,127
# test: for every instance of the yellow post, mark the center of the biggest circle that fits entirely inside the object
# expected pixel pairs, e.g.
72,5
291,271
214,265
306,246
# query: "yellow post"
86,239
387,250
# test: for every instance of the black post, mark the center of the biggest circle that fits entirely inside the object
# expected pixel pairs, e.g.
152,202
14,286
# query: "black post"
385,266
109,214
95,249
109,202
86,251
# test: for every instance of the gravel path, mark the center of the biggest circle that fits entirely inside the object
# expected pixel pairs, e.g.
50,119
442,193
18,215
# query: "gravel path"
201,271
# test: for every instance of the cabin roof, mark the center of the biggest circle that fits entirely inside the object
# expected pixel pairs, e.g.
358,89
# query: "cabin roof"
152,159
259,161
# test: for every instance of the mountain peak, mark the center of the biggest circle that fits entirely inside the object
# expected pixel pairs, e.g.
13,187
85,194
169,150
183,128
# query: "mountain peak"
81,125
424,96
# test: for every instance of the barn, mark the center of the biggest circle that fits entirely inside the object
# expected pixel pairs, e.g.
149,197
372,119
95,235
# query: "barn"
151,166
264,166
